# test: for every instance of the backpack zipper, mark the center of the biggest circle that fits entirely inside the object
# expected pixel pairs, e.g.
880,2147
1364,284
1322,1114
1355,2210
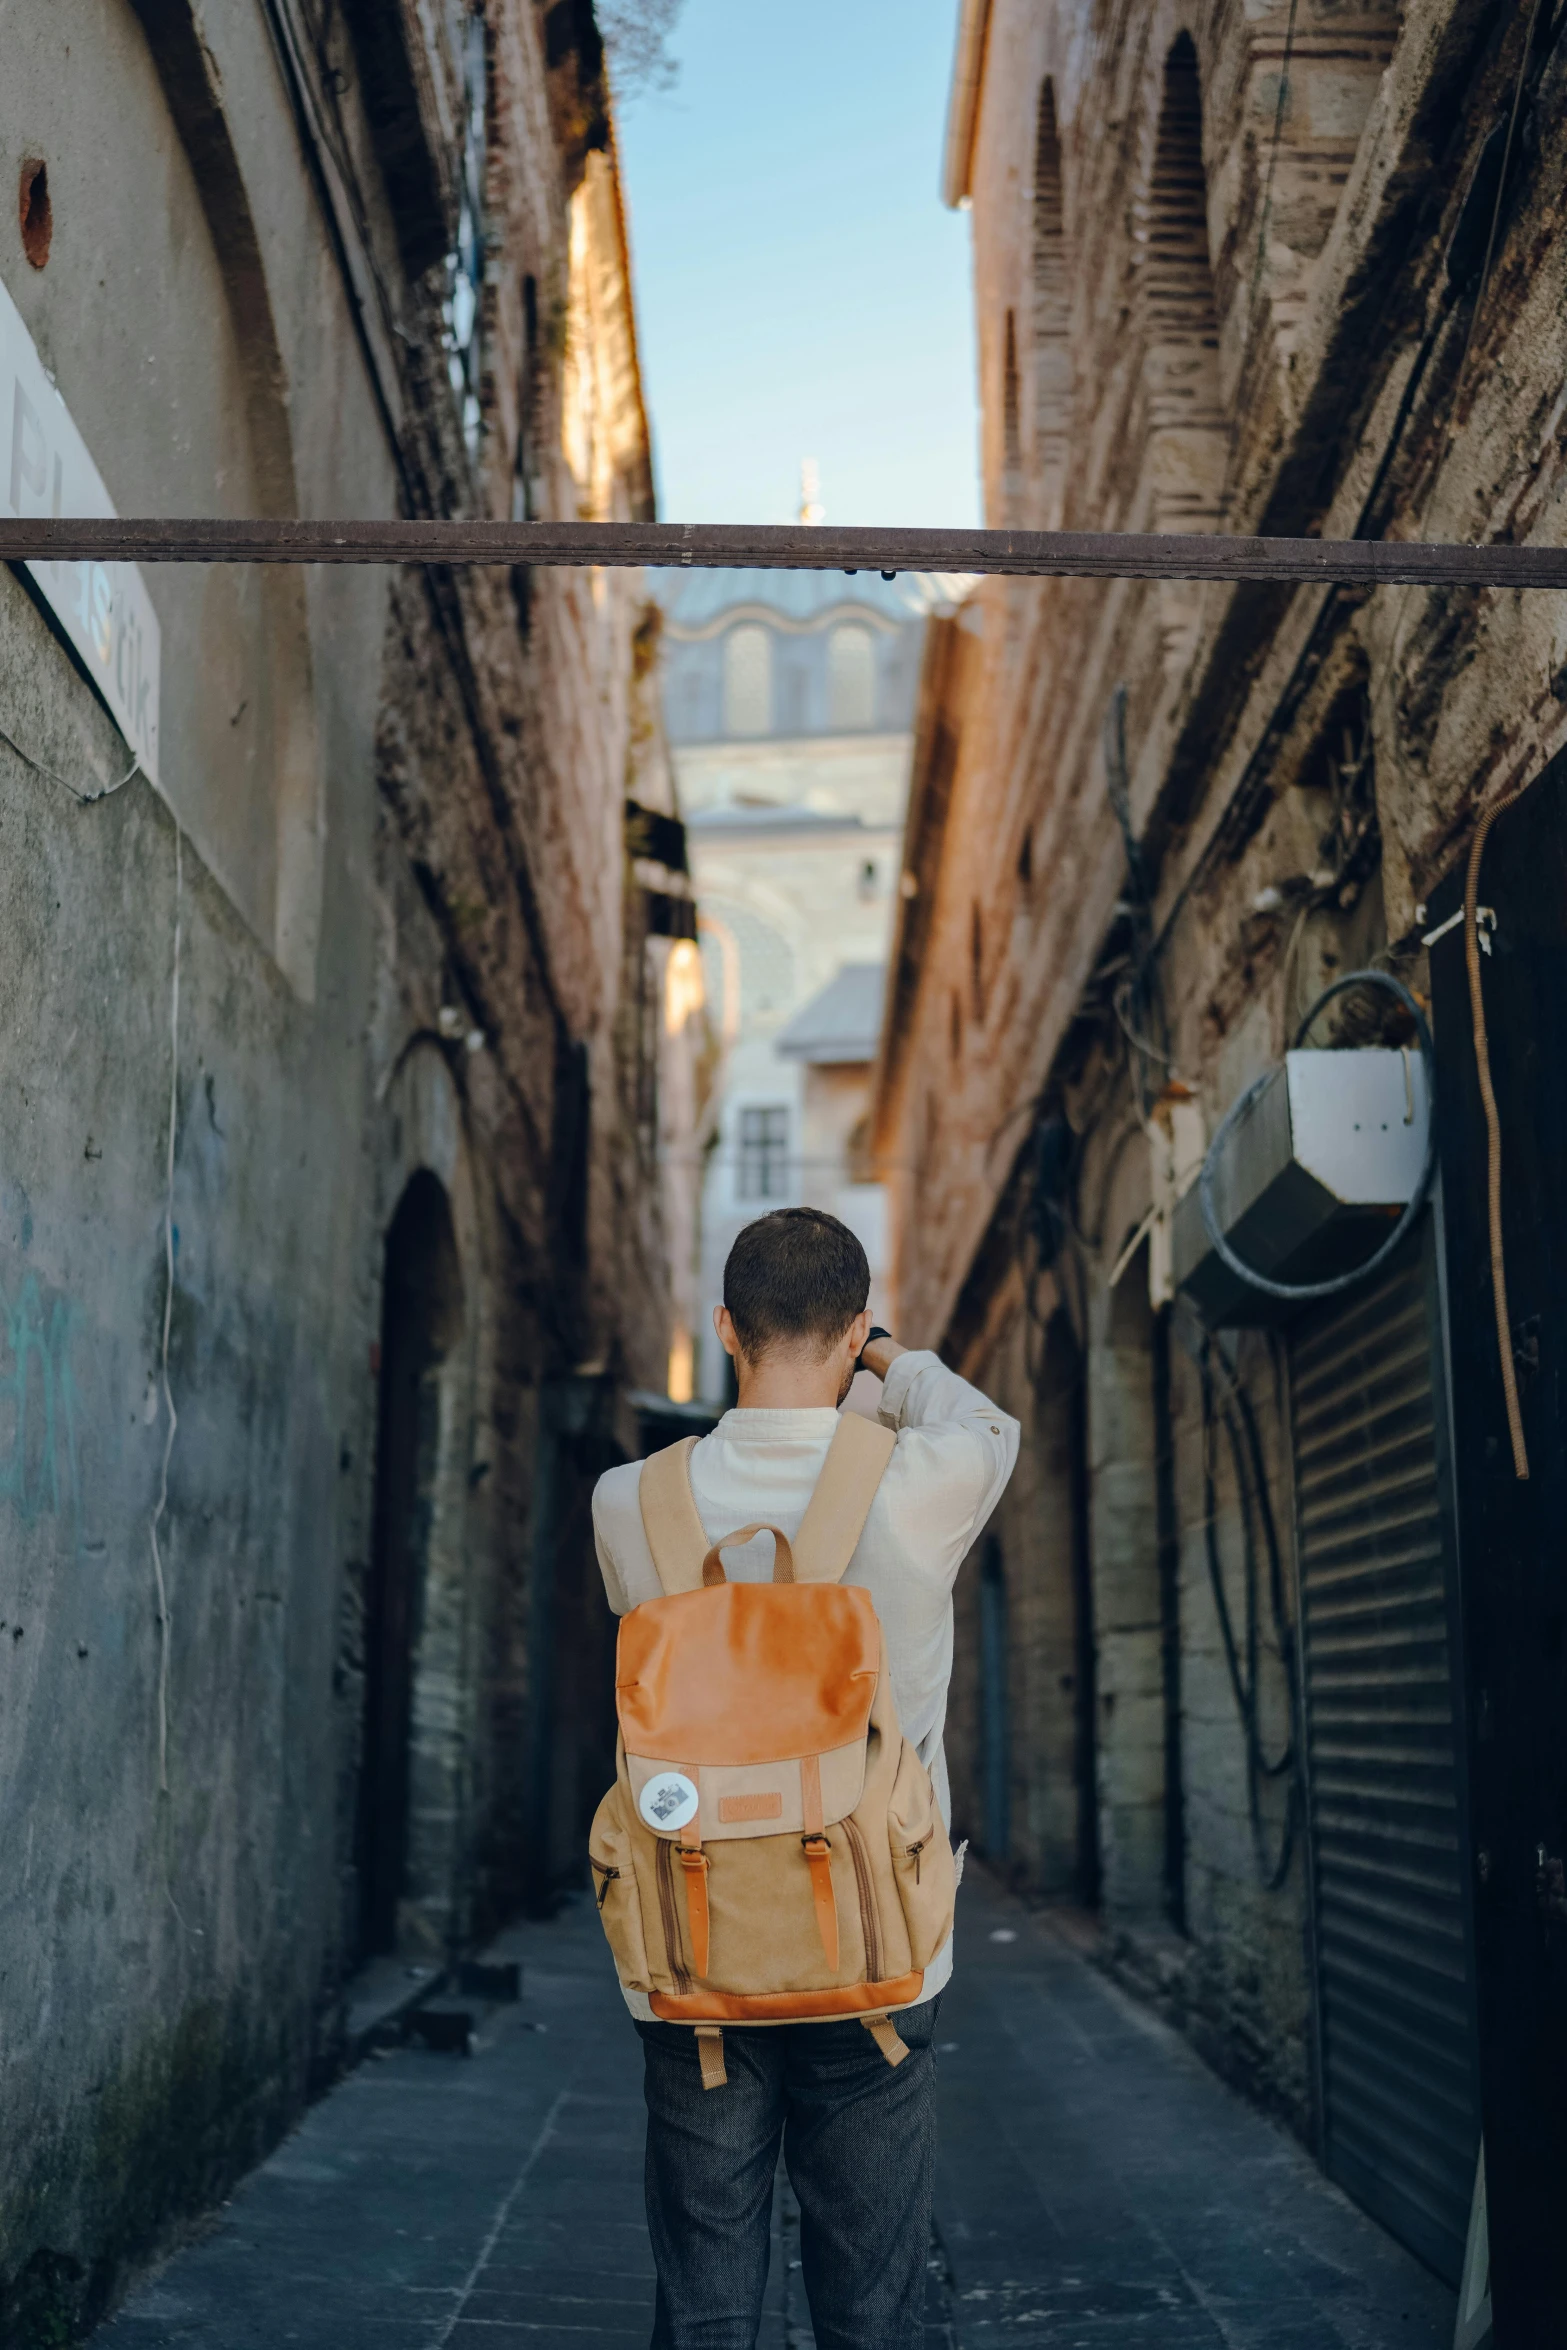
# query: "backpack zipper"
608,1874
867,1892
670,1914
914,1851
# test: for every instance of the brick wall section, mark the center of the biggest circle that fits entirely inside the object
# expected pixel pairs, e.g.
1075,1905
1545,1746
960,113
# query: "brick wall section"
1183,316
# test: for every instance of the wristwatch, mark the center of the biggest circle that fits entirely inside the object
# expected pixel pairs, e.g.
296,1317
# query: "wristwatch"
871,1337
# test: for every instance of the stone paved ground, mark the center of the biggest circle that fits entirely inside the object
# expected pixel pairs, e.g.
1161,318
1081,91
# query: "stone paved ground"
1098,2189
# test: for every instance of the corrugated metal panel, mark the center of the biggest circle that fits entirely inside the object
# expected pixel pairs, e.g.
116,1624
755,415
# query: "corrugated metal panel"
1394,1994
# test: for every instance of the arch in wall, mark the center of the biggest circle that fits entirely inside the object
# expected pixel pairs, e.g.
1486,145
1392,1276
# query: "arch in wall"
1181,325
248,790
1052,352
1188,444
158,323
421,1322
1011,425
434,1338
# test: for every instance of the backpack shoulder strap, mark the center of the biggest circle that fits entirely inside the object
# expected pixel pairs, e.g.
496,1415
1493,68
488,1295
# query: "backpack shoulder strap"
669,1518
836,1512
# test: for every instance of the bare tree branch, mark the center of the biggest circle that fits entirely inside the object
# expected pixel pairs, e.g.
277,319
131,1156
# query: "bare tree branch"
636,34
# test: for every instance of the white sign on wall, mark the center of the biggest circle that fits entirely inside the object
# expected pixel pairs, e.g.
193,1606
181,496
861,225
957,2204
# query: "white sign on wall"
104,608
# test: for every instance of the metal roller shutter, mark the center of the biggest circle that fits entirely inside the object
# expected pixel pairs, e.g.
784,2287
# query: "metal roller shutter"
1394,1979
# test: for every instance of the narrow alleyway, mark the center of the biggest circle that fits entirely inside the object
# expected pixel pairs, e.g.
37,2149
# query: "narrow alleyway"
1098,2187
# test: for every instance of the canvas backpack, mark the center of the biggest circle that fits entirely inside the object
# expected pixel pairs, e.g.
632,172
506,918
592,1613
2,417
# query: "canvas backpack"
771,1851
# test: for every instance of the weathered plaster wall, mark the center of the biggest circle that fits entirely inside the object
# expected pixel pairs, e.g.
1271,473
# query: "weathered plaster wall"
173,1948
388,865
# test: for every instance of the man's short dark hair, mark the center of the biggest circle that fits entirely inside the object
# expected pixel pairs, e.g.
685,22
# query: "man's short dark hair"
795,1275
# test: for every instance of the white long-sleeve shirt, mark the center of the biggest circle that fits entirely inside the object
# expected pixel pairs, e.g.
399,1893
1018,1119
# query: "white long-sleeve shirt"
954,1454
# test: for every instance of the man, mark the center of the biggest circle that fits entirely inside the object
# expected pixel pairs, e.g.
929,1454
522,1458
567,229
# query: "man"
858,2136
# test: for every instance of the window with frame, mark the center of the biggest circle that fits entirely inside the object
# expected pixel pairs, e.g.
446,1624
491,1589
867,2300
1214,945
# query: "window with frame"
764,1152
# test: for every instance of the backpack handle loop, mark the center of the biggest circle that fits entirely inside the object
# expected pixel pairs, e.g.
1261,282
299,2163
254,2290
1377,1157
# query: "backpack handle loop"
783,1555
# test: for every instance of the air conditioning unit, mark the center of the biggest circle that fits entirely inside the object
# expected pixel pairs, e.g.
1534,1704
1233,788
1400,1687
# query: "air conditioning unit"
1309,1180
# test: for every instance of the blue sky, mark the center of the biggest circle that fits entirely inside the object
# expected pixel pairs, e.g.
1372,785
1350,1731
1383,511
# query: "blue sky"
801,291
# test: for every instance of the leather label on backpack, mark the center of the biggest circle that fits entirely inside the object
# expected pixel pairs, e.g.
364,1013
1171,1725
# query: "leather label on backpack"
750,1807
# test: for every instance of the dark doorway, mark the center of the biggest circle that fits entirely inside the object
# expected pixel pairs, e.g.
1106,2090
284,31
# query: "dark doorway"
1060,1385
421,1314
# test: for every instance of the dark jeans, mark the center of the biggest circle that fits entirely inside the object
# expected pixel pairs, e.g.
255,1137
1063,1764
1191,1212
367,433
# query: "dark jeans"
859,2140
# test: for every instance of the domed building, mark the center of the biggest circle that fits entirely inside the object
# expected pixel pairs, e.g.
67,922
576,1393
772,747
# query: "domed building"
789,703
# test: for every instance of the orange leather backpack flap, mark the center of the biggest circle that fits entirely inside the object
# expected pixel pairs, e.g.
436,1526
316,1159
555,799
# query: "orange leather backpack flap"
747,1672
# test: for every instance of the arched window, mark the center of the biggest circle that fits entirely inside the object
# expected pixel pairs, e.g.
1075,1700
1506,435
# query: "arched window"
1052,324
1011,427
1187,438
748,679
851,676
1185,410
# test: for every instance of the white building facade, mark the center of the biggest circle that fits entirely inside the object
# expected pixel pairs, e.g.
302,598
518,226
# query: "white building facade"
789,705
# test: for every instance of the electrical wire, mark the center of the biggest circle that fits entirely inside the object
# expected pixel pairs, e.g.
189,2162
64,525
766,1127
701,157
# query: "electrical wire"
172,1416
85,799
1493,1130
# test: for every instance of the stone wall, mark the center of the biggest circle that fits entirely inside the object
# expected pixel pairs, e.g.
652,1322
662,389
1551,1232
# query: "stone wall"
1218,286
318,1284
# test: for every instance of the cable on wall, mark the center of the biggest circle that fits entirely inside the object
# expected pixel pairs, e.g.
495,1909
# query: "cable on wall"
171,1415
85,799
1493,1131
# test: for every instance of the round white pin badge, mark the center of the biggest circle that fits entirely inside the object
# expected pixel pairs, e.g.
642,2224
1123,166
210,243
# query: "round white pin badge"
668,1801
